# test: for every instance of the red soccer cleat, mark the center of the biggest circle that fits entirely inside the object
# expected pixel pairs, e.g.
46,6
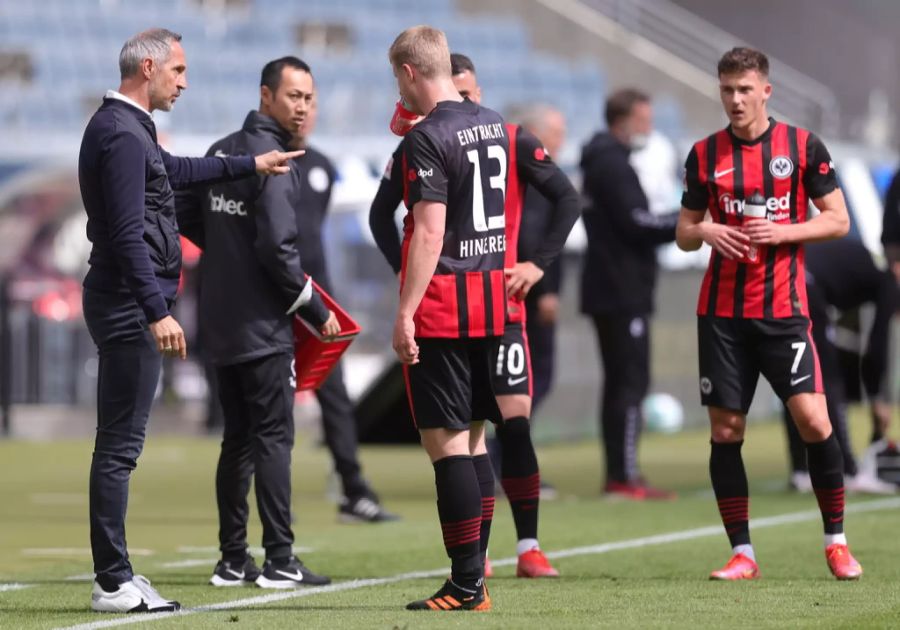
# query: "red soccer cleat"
534,564
740,567
636,491
488,569
842,563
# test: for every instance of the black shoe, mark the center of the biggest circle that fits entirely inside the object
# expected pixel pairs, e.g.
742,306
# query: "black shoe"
453,597
364,509
235,574
288,573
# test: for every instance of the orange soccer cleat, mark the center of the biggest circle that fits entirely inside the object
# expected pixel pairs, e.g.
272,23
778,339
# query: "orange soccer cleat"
452,597
842,563
486,604
534,564
740,567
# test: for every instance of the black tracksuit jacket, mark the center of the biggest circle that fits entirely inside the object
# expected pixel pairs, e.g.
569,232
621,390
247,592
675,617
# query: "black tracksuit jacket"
251,280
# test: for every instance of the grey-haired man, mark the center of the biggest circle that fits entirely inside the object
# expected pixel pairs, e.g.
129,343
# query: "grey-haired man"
127,184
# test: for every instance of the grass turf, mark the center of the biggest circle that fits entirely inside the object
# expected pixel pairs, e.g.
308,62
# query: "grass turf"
44,541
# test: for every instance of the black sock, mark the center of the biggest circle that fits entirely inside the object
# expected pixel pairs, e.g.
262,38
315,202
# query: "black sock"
521,478
459,509
729,481
825,472
485,475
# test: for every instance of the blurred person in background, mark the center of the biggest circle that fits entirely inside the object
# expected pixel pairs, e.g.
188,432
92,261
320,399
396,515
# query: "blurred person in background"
755,179
548,125
890,232
317,177
252,286
531,175
618,282
127,184
842,275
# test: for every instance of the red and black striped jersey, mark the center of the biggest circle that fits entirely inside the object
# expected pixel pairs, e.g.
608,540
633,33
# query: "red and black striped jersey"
789,166
458,156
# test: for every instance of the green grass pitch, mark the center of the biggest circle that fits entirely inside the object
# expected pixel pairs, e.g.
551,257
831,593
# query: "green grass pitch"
642,583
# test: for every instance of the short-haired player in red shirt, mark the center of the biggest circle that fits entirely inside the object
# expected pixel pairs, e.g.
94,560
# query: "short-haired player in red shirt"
756,178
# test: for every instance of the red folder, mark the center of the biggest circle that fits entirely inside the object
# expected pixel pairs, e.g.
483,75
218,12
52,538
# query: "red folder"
315,357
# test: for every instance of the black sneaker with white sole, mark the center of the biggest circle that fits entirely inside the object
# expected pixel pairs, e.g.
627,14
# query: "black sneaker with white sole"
235,573
288,573
364,509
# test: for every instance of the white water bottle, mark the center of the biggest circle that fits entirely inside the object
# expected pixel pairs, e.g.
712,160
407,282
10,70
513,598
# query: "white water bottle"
754,208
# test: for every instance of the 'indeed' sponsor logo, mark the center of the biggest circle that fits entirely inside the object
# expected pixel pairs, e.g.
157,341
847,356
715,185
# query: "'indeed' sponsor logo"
731,205
218,203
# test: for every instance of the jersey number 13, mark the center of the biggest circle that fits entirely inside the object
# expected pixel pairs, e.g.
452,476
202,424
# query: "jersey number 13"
484,223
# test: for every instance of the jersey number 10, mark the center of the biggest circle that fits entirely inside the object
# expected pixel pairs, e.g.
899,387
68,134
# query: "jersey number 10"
484,223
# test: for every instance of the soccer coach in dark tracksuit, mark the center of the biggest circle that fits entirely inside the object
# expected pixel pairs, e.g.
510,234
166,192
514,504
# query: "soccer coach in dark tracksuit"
127,184
618,282
251,286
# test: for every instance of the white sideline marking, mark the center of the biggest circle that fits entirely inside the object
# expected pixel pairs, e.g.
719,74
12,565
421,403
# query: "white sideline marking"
646,541
14,586
81,577
190,549
186,564
75,551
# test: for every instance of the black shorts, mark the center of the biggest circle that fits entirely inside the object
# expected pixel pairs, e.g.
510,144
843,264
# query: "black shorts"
735,351
512,362
450,386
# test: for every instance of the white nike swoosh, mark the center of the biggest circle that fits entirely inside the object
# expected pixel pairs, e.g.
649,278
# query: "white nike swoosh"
294,576
236,574
515,381
718,174
795,381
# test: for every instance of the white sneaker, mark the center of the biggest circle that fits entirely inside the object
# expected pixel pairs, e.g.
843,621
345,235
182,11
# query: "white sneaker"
800,482
869,484
136,595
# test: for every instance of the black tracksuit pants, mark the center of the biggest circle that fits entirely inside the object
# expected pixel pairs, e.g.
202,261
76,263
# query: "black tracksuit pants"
624,342
258,404
129,367
339,427
542,351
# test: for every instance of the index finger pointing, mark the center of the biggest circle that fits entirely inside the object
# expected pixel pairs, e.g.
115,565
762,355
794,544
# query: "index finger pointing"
290,155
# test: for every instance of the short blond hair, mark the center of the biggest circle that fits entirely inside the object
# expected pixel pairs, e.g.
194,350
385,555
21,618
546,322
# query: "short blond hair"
424,48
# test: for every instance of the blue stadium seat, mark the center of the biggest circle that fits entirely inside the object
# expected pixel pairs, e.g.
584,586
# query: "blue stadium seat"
75,45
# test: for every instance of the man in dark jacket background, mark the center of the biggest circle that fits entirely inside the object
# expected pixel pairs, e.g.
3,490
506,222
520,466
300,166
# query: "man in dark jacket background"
317,176
127,184
252,284
618,282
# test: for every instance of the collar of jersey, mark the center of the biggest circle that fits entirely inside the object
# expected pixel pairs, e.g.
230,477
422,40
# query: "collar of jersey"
760,138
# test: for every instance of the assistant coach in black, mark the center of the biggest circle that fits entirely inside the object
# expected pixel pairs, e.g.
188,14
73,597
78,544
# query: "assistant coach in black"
618,281
127,184
317,176
252,284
